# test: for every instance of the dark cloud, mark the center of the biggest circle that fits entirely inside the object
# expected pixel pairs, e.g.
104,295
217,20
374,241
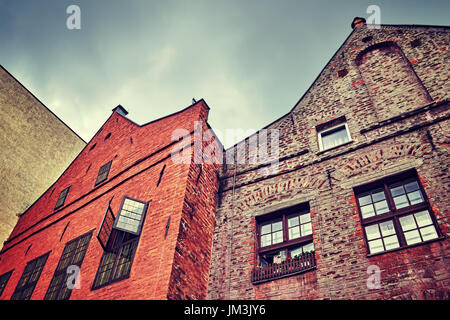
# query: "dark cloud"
250,60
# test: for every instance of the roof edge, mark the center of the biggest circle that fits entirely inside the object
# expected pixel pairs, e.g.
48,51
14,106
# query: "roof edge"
37,99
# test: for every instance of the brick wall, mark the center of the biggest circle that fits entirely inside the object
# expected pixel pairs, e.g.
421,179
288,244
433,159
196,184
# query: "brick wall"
392,131
35,147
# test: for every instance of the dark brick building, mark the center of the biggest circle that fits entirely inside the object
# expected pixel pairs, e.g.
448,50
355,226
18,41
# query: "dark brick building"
356,206
362,182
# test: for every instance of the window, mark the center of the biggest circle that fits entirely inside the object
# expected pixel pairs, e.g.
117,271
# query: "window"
416,43
342,72
62,198
103,173
284,238
119,238
4,280
333,136
395,213
73,255
29,278
115,265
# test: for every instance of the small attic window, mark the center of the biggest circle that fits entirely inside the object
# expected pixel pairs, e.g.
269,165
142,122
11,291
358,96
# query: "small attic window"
62,198
103,173
367,39
93,146
108,136
342,73
416,43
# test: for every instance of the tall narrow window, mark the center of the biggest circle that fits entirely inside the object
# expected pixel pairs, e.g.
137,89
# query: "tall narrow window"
29,278
131,216
72,256
395,213
62,198
119,241
103,173
4,280
333,134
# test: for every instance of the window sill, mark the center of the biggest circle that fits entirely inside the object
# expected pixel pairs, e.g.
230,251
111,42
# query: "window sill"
333,148
370,255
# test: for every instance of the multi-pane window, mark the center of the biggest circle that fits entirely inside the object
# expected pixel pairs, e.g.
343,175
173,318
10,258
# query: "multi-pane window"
285,244
29,278
299,225
4,280
286,234
115,265
334,136
62,198
418,227
382,237
119,241
72,256
130,216
406,194
395,213
103,173
373,203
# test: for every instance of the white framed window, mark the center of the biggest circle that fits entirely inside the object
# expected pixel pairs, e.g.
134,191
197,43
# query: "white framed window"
334,136
131,215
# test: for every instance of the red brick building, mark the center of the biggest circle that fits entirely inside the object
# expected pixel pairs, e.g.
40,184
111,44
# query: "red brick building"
356,207
93,218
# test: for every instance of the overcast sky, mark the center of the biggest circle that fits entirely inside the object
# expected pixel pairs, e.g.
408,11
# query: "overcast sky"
251,60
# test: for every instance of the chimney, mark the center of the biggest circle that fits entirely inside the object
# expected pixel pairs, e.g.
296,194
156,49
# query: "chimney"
358,22
120,110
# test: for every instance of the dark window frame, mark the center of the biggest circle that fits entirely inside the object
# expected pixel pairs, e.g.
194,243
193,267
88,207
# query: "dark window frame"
4,278
75,253
116,251
25,285
106,227
103,173
395,214
331,130
287,244
62,198
342,72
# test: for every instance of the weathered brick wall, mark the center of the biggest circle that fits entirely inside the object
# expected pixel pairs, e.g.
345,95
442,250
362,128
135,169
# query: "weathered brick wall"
385,140
190,269
35,147
394,85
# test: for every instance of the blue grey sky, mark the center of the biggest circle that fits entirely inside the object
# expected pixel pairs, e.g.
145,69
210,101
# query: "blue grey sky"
251,60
